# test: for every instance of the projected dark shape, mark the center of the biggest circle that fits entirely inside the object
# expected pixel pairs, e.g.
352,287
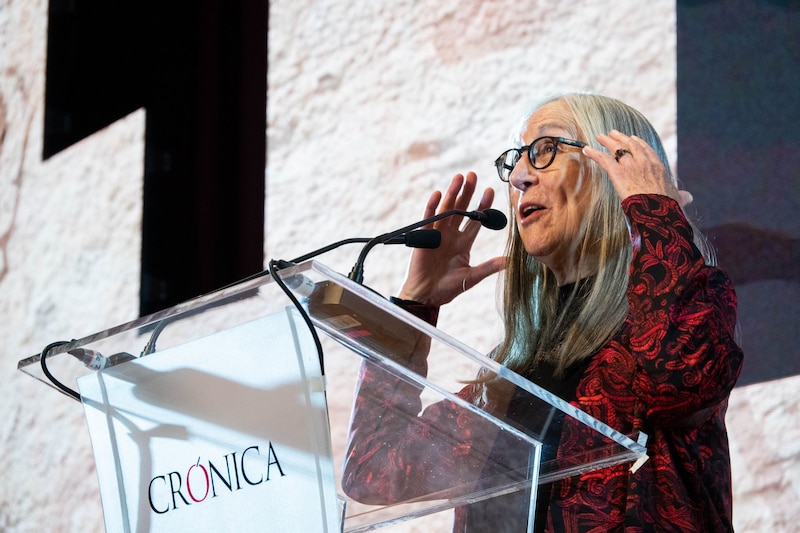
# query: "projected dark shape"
199,70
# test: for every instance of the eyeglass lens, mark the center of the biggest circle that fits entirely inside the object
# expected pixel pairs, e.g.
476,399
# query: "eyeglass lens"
540,153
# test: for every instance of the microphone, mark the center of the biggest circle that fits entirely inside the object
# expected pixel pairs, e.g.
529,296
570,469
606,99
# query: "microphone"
489,218
421,238
424,238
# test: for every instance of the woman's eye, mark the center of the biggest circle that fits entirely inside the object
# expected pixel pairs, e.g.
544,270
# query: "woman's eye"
545,147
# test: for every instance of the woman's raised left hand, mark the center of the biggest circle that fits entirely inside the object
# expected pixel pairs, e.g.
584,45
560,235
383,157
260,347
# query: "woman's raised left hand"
634,167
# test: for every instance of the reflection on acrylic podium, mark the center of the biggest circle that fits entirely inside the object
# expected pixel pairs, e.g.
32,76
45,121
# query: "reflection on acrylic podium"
229,413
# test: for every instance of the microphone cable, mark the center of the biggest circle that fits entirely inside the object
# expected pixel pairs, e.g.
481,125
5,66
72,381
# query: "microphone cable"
414,239
43,361
273,271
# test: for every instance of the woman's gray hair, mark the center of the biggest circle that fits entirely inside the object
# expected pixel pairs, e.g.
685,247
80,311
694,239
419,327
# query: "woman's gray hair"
538,326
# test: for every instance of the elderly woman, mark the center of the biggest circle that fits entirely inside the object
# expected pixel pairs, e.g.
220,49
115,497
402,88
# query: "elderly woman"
611,301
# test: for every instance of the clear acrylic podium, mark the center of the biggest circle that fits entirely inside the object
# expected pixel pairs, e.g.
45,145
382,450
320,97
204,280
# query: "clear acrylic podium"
230,405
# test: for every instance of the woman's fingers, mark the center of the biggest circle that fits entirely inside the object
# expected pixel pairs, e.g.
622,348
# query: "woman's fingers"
632,165
452,193
472,227
457,196
479,272
432,204
438,275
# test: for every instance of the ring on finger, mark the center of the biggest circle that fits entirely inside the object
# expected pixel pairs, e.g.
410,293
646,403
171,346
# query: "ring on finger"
619,153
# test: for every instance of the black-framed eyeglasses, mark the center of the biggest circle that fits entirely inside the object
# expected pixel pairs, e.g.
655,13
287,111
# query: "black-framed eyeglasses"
541,154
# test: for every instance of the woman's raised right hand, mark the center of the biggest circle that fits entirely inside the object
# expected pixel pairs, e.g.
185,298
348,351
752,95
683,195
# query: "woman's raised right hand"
437,276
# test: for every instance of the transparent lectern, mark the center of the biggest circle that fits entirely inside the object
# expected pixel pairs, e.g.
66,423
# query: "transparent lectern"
229,412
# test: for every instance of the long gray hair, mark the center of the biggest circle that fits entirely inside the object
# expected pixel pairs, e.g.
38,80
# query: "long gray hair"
538,327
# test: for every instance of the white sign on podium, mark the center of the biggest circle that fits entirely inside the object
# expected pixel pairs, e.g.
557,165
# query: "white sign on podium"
224,433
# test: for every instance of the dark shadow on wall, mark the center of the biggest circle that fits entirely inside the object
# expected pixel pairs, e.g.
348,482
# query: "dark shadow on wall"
739,155
750,254
198,67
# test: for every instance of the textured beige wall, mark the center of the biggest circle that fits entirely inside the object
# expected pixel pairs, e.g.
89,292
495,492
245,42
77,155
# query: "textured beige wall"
372,104
69,266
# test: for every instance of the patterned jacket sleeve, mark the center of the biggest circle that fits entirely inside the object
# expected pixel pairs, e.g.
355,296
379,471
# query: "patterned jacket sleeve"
683,318
668,372
394,452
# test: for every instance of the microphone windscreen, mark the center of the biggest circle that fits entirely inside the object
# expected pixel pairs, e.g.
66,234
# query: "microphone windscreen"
493,219
423,238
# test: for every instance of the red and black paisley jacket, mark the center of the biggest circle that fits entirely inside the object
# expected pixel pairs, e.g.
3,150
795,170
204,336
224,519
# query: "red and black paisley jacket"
668,372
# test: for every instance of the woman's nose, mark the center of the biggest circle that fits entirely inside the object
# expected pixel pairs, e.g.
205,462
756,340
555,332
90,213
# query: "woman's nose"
523,175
